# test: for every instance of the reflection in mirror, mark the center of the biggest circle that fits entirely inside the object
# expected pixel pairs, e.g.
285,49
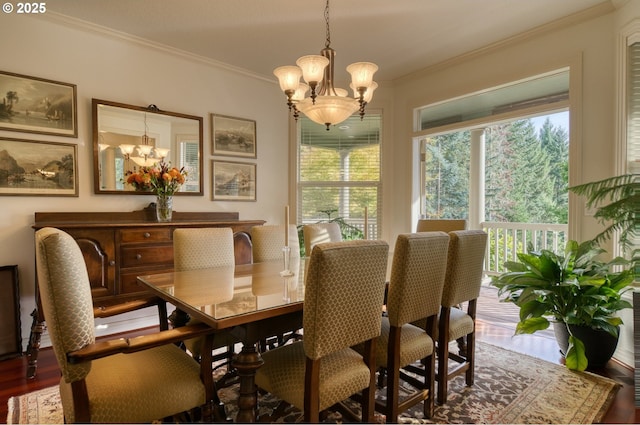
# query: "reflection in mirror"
126,138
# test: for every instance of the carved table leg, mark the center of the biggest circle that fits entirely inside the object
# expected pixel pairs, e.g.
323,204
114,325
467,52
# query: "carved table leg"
246,363
37,327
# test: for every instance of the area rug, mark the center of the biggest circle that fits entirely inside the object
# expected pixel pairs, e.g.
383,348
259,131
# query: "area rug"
510,388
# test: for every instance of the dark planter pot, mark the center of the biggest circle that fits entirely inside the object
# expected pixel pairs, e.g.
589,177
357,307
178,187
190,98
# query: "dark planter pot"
599,345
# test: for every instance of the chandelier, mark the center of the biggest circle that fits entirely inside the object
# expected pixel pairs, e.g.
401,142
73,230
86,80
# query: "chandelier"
325,104
148,155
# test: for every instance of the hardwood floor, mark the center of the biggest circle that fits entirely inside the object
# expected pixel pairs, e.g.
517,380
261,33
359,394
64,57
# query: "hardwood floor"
491,328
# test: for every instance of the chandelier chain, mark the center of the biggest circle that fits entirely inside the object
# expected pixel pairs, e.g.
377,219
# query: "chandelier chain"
327,43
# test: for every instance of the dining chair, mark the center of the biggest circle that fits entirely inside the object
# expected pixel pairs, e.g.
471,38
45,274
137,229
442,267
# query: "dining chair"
344,289
414,294
465,268
124,380
242,248
268,241
200,248
441,225
319,233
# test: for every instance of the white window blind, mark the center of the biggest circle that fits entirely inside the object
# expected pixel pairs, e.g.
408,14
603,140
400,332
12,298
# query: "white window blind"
339,173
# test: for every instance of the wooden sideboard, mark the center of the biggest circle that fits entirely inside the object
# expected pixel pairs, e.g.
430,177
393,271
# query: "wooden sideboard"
119,246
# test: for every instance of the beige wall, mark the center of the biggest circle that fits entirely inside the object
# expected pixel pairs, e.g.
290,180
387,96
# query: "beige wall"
113,68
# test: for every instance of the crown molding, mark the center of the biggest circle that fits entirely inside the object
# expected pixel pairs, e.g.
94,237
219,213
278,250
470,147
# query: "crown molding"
82,25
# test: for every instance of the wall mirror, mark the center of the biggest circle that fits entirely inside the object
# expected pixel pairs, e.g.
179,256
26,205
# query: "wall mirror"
127,137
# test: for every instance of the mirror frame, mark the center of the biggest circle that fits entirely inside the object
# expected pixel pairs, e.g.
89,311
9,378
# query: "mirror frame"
151,109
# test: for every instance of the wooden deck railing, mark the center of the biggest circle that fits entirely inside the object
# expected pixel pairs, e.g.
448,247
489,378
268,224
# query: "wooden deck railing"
505,240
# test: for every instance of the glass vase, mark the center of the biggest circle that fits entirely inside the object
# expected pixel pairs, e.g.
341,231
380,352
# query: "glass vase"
164,207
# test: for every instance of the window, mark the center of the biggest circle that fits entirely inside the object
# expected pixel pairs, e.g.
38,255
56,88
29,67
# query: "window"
339,173
189,158
517,154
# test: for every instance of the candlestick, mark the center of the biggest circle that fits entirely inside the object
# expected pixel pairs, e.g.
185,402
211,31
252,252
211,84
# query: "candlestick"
366,222
286,225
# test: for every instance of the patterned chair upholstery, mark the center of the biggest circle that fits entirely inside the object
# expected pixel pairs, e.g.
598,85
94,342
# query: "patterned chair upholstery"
441,225
109,382
465,268
268,242
200,248
319,233
343,298
415,290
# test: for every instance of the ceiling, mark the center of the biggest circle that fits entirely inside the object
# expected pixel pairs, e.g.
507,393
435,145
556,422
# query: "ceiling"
256,36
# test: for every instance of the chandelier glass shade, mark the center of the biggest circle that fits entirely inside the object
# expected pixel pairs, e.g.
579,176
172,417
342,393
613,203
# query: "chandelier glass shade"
325,104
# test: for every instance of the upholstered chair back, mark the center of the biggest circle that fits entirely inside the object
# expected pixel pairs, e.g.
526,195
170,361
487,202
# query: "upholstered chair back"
268,242
464,266
417,276
319,233
200,248
340,273
441,225
65,294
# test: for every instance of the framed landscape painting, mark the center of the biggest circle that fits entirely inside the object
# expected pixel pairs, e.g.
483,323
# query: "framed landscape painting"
233,181
233,136
38,168
37,105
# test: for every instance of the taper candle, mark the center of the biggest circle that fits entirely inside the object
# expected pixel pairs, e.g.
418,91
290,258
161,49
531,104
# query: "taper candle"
286,225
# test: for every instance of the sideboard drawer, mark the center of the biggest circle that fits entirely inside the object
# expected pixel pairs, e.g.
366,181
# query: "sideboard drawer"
145,235
129,280
135,256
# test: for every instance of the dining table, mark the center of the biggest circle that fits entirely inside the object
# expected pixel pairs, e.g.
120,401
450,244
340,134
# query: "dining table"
252,301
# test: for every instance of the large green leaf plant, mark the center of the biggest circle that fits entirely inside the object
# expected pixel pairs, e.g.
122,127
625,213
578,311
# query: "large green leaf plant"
573,288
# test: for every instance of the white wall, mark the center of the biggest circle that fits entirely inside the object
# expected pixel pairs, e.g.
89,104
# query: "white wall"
112,68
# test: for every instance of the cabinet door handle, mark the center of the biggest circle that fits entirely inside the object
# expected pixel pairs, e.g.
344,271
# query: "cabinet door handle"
138,256
147,235
112,263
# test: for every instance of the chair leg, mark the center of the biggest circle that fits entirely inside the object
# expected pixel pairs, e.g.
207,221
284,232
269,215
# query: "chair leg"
471,359
443,354
393,375
312,391
369,393
430,383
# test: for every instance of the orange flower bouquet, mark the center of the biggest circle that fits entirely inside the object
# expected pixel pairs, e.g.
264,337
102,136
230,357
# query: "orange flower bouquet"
164,181
161,179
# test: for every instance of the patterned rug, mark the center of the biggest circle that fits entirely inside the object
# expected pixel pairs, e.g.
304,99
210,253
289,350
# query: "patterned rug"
510,388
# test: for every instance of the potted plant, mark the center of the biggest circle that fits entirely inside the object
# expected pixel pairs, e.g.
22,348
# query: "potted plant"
574,290
622,213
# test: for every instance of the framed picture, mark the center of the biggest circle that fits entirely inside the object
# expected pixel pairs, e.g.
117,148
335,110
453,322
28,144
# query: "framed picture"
233,136
29,167
233,181
36,105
